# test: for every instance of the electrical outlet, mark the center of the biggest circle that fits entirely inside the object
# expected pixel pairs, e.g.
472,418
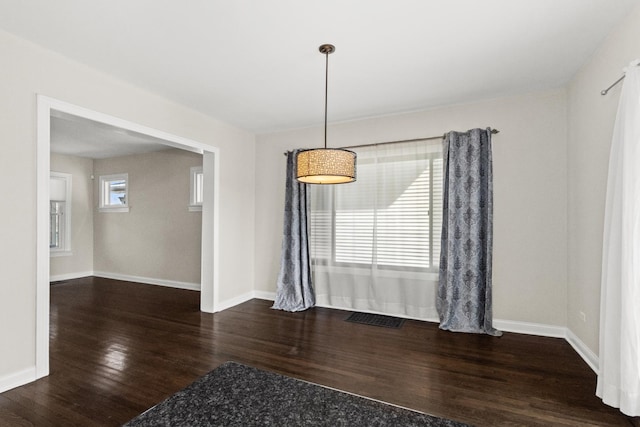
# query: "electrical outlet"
583,316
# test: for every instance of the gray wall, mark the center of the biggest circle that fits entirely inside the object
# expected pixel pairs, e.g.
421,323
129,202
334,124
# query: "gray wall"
591,120
28,70
81,260
551,163
158,238
539,190
530,184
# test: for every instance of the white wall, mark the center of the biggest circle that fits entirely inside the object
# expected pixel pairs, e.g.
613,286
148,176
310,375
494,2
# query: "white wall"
26,70
81,260
530,209
531,181
158,238
591,120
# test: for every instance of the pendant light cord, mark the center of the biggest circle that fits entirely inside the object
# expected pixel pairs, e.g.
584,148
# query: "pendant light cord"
326,92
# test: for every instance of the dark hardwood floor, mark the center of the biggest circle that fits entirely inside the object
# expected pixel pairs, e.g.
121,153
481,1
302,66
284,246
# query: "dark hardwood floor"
118,348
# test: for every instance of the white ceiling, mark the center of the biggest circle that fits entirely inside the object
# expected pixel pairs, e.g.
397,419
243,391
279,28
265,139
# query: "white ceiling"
77,136
255,64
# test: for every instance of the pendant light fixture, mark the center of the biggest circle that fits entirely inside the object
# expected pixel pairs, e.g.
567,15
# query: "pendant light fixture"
326,165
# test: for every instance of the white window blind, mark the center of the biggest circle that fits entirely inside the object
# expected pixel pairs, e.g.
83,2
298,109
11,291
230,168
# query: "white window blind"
196,188
389,218
56,225
60,213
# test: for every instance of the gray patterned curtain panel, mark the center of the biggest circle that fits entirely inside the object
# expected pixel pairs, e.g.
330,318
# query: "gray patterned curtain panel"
464,288
294,288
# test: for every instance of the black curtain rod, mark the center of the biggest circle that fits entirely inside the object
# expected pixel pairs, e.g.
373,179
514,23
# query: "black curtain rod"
493,131
605,91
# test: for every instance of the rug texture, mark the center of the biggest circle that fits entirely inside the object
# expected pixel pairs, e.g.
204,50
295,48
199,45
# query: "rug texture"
239,395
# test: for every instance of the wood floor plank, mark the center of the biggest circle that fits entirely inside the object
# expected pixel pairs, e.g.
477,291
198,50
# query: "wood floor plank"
118,348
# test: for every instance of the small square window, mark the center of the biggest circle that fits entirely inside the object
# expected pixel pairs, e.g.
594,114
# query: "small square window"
196,189
114,193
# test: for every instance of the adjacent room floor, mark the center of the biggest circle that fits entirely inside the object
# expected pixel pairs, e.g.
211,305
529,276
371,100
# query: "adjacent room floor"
118,348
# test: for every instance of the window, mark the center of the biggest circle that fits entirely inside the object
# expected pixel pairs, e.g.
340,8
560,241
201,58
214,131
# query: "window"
59,214
114,193
196,179
390,218
57,228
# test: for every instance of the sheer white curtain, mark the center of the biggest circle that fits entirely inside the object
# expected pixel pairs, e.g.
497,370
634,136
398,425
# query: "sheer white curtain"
375,243
619,373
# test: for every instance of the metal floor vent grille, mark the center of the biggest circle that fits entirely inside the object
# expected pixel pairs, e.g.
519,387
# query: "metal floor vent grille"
375,320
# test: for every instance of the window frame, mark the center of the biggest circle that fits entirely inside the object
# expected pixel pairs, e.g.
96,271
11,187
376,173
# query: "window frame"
105,194
196,192
391,269
64,248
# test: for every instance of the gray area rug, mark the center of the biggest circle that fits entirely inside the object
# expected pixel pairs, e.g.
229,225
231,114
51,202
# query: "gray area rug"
239,395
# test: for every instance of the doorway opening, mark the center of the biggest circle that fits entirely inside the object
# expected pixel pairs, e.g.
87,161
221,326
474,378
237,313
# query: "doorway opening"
209,249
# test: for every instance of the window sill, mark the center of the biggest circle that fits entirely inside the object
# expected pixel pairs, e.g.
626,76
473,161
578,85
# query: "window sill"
53,253
114,209
195,208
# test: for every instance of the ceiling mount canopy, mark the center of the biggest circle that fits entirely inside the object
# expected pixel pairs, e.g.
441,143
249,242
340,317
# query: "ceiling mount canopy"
326,165
327,48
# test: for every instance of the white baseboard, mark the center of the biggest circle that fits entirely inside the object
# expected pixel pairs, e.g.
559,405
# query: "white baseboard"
269,296
585,352
70,276
527,328
149,280
17,379
28,375
223,305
